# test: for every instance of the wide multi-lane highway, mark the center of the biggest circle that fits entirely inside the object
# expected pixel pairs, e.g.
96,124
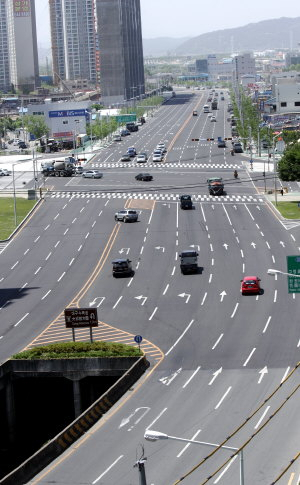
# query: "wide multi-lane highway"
217,357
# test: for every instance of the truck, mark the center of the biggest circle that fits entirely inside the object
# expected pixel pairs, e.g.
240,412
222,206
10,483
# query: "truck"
59,168
189,261
131,126
214,105
215,186
186,202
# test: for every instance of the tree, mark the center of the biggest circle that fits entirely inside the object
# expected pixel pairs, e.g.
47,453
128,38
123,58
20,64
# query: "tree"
36,125
289,165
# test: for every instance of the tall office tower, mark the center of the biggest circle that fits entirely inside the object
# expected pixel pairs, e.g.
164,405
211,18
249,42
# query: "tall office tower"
73,38
18,45
121,50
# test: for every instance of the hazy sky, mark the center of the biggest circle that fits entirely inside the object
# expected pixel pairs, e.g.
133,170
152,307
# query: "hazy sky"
189,18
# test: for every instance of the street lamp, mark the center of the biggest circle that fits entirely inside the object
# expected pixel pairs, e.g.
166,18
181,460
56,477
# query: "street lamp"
276,271
275,166
151,435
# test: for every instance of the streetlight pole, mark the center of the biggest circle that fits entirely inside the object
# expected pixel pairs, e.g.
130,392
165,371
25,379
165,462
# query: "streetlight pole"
275,167
151,435
14,191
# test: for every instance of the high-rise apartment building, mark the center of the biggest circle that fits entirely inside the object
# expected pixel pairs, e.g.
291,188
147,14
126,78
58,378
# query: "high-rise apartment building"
121,50
73,39
18,45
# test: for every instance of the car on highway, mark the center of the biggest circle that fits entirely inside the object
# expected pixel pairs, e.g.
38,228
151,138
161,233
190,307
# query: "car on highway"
92,174
157,157
117,138
221,144
79,170
145,177
125,132
125,158
186,201
250,284
142,158
122,267
22,145
4,171
213,118
237,147
126,215
131,151
161,147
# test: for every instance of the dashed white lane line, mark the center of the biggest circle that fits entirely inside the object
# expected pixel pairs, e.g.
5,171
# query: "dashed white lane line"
293,237
219,339
273,258
61,276
173,271
190,378
26,252
153,313
210,278
142,249
267,324
94,224
204,298
242,253
36,239
56,216
212,261
48,256
211,247
80,247
166,289
21,319
275,296
17,262
82,209
74,220
188,444
249,357
180,337
45,295
262,417
66,231
129,283
234,311
72,261
56,244
223,397
1,279
47,227
87,235
285,374
156,419
39,269
117,302
107,469
225,469
22,287
298,345
268,245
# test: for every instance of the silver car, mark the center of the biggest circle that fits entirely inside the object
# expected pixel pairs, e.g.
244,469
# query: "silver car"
92,174
126,215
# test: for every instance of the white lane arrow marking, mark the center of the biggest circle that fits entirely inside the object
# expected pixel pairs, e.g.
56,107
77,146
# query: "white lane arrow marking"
101,298
126,420
195,246
168,205
262,372
182,295
225,246
215,374
222,295
123,250
141,297
235,207
257,207
253,244
282,244
213,207
167,380
160,247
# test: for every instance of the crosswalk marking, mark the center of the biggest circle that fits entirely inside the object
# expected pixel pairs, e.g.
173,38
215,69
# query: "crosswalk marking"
219,166
242,198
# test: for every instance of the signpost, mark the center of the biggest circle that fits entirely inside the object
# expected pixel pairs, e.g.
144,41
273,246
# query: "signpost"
138,339
293,268
81,318
125,118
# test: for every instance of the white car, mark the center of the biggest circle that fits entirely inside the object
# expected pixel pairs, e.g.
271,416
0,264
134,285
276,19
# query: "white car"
157,157
4,171
141,158
162,147
213,118
92,174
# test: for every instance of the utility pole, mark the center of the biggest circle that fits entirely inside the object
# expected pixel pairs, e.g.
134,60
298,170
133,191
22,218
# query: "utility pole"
140,465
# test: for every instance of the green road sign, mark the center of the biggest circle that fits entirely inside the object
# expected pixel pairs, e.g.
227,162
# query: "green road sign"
125,118
293,268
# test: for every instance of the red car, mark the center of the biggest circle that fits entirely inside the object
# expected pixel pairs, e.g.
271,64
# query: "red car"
250,284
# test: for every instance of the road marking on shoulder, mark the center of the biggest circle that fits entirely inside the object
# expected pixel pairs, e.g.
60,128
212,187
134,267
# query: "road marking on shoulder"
190,378
223,397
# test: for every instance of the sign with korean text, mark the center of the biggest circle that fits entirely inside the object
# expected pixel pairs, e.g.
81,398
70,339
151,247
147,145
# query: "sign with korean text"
81,317
21,8
293,268
125,118
65,113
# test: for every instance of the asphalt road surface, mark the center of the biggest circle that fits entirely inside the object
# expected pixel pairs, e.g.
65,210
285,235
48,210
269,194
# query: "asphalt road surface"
217,357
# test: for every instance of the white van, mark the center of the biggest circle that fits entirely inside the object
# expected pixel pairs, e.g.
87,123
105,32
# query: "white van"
206,108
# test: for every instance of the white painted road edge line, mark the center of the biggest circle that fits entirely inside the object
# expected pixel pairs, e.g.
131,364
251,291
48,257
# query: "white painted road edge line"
107,469
190,378
262,417
222,398
179,338
248,358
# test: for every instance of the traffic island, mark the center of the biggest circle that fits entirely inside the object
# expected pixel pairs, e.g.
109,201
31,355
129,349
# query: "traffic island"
57,400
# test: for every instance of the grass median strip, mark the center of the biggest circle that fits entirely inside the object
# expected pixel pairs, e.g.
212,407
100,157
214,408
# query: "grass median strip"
289,210
7,214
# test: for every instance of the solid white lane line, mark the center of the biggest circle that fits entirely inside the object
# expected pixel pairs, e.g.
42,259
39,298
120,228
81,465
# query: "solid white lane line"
234,311
188,444
225,469
56,244
72,261
166,289
249,357
190,378
267,324
223,397
173,271
204,298
45,295
61,276
107,469
47,257
214,346
26,252
275,296
156,419
47,227
249,212
153,313
21,319
285,374
39,269
142,249
117,302
180,337
36,239
14,265
130,281
210,278
262,417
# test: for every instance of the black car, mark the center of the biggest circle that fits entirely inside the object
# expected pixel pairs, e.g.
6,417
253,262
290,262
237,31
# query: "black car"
125,132
125,158
186,202
221,144
122,267
146,177
22,145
